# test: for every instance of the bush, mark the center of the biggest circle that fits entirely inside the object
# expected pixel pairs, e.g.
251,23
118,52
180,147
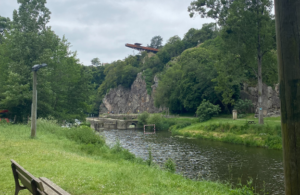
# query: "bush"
122,152
170,165
206,110
242,106
117,147
159,121
142,119
241,115
84,135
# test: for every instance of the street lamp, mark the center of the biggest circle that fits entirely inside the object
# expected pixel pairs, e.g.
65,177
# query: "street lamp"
34,69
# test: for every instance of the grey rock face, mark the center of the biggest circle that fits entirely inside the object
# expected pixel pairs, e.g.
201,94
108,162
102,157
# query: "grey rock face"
270,99
121,100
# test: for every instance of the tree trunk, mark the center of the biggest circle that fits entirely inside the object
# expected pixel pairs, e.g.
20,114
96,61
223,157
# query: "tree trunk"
259,81
288,48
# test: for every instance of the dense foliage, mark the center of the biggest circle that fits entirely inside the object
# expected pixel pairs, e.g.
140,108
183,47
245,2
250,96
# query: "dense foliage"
63,86
243,106
209,63
242,50
206,110
156,42
123,72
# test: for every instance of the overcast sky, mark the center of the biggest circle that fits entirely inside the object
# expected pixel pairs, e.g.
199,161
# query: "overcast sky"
100,28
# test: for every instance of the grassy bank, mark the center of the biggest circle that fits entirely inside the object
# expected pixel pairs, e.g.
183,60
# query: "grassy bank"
235,131
81,163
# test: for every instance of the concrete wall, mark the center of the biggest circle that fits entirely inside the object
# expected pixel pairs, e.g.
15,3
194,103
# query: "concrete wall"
109,123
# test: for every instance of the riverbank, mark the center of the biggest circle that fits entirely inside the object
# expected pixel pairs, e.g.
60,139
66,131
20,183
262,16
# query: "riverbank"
235,131
80,162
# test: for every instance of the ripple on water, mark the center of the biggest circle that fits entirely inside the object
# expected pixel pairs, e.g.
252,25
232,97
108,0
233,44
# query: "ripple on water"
201,159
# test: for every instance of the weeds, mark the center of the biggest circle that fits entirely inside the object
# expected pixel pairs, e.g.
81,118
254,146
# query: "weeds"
170,165
150,158
244,189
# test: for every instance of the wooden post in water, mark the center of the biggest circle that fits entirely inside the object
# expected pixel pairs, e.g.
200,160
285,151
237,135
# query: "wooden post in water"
287,14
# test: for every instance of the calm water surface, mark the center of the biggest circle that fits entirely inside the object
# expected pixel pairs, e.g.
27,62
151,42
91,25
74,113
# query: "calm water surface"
202,159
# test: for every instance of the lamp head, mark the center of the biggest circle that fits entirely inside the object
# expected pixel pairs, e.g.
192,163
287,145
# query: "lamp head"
38,66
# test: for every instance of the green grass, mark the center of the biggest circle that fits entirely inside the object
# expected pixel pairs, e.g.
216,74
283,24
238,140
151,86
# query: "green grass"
224,129
81,163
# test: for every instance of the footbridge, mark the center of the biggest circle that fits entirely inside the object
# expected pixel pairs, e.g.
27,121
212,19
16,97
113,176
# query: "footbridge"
114,121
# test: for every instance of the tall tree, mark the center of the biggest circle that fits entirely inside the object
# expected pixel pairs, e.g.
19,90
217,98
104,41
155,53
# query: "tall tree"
248,26
96,62
32,16
194,36
156,42
62,87
288,47
4,25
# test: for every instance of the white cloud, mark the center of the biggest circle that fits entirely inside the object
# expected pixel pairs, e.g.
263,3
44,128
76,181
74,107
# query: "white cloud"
100,28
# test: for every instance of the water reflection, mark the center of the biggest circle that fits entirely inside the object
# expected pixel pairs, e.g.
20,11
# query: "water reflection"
202,159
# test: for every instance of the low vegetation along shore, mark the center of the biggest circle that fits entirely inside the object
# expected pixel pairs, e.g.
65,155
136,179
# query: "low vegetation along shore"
80,162
238,131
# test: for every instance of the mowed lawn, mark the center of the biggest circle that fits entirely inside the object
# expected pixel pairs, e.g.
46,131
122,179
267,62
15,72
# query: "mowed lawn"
81,169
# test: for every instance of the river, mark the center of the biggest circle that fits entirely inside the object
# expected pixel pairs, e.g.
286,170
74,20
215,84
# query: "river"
210,160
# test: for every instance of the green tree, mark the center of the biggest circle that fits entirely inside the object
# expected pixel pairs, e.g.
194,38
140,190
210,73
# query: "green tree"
194,36
63,86
96,62
248,28
4,26
167,93
121,72
188,81
156,42
206,110
32,16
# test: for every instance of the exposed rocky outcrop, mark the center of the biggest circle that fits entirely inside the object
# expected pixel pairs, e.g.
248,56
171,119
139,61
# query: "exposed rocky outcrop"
270,99
133,100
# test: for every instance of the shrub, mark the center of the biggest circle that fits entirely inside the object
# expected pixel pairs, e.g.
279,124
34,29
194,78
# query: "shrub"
117,147
244,189
241,115
122,152
84,135
170,165
206,110
160,122
242,106
142,118
274,142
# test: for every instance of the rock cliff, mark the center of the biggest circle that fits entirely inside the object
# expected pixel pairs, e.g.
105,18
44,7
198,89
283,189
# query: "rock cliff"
133,100
270,99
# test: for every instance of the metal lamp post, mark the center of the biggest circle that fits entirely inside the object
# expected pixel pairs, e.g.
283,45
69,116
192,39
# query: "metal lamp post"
34,69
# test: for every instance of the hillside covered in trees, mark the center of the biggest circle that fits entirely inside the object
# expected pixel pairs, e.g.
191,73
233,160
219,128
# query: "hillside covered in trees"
210,63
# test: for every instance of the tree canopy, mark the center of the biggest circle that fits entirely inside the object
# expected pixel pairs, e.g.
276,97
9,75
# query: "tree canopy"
156,42
63,86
